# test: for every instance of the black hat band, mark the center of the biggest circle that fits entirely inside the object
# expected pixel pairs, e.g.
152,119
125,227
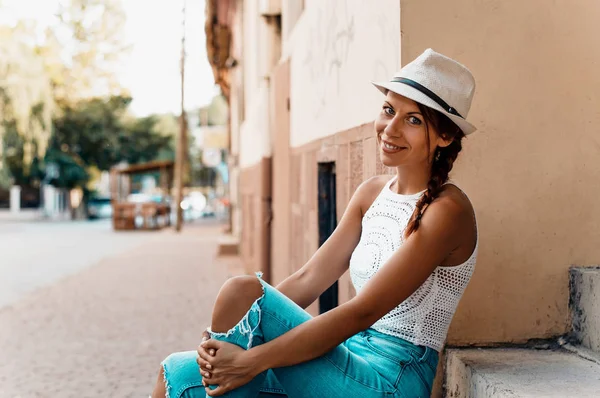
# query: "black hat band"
428,93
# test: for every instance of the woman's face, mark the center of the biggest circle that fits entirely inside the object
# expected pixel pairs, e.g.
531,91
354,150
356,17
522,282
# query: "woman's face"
402,133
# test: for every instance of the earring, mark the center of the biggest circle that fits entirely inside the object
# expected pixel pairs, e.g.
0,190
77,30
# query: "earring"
437,155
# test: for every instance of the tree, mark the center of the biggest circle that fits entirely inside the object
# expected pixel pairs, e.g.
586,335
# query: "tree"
96,29
98,133
71,171
141,142
90,130
26,102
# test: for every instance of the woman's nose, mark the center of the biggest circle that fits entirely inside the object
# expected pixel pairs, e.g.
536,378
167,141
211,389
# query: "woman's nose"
392,131
393,128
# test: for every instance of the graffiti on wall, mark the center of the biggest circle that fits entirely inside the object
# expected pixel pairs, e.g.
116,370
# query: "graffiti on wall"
346,31
344,45
330,41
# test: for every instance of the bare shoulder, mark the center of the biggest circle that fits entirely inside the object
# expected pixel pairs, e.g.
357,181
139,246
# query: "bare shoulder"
454,200
368,190
452,214
374,185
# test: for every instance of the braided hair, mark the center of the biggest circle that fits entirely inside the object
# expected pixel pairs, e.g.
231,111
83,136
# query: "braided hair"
443,160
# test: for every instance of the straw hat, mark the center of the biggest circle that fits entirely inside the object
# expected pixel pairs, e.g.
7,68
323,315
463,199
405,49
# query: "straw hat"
438,82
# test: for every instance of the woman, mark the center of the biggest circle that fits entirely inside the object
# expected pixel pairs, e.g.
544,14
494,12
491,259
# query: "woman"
410,243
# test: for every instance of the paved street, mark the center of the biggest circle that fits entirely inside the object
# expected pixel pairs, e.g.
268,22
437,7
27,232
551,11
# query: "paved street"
87,312
35,254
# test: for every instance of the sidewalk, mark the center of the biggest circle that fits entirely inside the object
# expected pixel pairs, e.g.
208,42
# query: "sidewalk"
103,332
23,215
31,215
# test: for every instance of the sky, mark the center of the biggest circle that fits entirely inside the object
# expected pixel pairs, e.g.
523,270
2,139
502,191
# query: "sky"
151,71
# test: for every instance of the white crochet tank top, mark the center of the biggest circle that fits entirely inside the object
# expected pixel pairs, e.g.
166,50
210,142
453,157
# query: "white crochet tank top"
424,317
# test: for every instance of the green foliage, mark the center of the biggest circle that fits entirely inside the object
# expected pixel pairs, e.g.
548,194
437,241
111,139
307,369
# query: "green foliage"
72,172
13,152
94,133
139,142
90,130
61,101
26,101
5,178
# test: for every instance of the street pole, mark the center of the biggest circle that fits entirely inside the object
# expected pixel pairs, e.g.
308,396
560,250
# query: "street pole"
180,156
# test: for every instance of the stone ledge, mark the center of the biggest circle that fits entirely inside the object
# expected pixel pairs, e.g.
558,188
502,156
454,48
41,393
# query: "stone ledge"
584,303
228,245
517,372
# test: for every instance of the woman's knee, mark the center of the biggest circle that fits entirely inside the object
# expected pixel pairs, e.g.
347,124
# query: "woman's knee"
233,301
240,288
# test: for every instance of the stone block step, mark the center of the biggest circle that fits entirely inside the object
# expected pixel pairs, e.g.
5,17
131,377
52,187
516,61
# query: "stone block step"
585,305
520,372
228,245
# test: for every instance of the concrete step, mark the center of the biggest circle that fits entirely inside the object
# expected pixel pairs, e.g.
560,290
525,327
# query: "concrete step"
585,305
228,245
520,372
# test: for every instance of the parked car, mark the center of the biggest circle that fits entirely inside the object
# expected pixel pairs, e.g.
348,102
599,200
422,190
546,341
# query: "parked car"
147,198
99,207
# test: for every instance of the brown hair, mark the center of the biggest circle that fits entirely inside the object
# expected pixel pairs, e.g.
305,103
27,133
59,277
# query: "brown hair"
443,160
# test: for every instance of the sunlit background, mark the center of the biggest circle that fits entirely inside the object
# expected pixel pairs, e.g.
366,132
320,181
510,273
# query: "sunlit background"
149,70
70,66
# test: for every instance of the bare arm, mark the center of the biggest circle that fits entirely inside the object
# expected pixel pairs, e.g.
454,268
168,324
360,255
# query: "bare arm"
441,231
331,260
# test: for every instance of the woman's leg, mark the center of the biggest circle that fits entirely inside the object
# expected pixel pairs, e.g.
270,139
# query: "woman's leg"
339,373
159,387
354,368
179,377
233,302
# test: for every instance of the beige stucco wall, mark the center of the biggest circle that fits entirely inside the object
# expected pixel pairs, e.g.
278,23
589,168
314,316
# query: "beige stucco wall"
532,172
255,142
337,47
252,49
254,137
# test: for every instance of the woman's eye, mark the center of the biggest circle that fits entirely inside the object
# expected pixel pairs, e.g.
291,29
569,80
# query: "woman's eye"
414,120
388,111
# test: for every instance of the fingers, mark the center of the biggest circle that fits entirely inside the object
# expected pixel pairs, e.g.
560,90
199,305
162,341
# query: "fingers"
206,375
206,356
211,344
203,364
206,382
220,390
206,350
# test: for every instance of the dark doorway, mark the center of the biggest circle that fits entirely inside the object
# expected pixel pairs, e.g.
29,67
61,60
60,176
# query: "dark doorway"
327,223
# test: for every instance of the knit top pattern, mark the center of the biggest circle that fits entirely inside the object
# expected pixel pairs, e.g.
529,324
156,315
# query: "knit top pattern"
425,316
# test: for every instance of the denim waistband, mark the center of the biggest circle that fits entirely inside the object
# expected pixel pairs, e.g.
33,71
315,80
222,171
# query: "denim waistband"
423,352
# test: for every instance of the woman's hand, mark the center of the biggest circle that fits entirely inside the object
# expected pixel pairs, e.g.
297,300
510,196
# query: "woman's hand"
231,367
204,366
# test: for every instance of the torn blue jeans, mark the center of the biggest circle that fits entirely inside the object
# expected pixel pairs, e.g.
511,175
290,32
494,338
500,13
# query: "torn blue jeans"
368,364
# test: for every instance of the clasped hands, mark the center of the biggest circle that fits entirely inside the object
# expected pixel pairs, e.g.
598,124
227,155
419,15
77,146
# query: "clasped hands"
225,365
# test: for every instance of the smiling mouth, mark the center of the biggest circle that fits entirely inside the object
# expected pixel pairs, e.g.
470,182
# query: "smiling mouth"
389,148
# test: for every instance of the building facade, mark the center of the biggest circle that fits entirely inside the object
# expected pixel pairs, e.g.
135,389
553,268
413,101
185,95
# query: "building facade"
298,77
